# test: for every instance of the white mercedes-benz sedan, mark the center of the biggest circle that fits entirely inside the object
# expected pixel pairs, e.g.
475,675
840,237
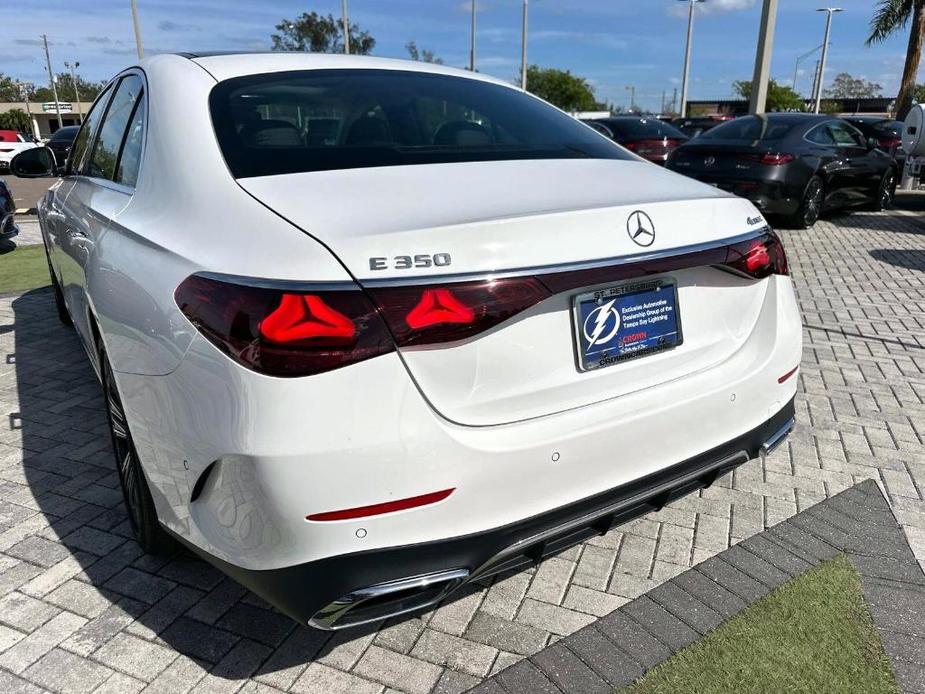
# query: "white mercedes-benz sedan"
370,329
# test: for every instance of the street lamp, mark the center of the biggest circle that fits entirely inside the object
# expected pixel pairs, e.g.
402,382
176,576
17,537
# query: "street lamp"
632,90
472,40
343,7
825,51
71,67
138,47
796,67
523,51
687,54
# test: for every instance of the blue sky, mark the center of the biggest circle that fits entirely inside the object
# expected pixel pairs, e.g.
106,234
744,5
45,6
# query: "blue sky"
613,43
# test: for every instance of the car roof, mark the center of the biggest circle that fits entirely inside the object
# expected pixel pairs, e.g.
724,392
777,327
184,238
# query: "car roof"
226,65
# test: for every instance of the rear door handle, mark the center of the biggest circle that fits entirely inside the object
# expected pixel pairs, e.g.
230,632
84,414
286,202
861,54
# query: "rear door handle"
79,237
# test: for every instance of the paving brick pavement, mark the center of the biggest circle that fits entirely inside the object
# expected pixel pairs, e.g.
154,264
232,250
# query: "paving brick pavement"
82,610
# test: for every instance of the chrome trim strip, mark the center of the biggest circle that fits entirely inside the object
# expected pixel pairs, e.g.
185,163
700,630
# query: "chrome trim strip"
777,438
589,518
372,283
283,285
328,617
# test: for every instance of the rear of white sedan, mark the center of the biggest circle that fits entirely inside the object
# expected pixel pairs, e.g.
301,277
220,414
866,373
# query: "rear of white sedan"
394,327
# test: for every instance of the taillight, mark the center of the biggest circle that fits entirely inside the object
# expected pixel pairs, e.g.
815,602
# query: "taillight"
282,331
771,158
759,257
421,315
890,143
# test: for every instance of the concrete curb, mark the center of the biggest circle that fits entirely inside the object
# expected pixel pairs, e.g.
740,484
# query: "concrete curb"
619,648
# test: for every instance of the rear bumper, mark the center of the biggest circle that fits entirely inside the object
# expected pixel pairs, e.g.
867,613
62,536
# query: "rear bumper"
770,196
351,589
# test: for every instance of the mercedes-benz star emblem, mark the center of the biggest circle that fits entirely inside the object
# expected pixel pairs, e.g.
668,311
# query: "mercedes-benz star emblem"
709,161
640,228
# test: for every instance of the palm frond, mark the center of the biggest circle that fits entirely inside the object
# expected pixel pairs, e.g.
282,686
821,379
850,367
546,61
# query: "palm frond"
889,17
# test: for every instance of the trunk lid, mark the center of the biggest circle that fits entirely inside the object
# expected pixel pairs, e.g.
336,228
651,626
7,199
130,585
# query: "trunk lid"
520,218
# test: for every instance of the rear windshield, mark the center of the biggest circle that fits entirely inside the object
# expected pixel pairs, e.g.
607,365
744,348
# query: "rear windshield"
643,128
318,120
66,133
750,129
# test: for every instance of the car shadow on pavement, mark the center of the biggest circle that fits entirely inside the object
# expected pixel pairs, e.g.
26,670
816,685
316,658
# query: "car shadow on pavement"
80,556
908,258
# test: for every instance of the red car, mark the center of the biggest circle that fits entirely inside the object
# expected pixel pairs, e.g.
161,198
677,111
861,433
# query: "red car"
650,138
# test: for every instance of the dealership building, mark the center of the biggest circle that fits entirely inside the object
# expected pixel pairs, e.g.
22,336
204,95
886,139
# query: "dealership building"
44,116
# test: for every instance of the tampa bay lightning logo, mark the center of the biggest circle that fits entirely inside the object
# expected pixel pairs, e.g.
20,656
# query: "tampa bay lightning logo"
601,324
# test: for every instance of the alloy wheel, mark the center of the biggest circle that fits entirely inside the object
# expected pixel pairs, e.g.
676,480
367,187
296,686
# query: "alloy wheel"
124,450
812,202
886,190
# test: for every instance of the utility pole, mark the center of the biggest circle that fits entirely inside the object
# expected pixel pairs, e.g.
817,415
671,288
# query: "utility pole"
825,53
759,95
343,6
796,68
71,67
662,111
24,95
632,90
523,51
51,77
674,100
687,54
138,47
472,41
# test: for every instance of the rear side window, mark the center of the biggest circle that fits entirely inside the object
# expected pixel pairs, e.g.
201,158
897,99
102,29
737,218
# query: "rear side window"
318,120
105,155
89,126
750,129
130,157
844,135
820,135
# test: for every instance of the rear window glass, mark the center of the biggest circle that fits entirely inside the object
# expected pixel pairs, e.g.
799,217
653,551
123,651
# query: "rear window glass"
317,120
750,129
67,133
643,127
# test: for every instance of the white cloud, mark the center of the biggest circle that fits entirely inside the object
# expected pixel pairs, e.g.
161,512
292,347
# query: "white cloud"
711,7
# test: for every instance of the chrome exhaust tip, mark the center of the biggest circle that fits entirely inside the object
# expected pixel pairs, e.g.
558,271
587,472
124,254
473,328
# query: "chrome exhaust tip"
776,439
388,599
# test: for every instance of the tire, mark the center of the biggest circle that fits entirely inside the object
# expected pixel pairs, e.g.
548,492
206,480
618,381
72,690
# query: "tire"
810,205
139,505
63,315
885,193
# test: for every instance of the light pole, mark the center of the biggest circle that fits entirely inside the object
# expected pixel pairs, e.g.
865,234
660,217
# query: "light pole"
138,47
759,94
796,67
523,51
24,95
829,11
51,77
343,6
472,41
687,54
71,67
632,90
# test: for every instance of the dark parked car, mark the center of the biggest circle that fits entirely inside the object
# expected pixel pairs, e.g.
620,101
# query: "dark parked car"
791,165
650,138
887,132
60,143
7,228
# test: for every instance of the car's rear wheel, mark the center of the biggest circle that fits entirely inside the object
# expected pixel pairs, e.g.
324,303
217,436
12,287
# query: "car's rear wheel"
810,207
138,502
63,315
886,191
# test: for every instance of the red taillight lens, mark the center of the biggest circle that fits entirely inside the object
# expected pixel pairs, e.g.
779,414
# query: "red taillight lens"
774,159
758,257
890,143
449,312
283,332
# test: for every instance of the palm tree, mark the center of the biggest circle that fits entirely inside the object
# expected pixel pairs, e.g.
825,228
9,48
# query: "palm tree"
889,17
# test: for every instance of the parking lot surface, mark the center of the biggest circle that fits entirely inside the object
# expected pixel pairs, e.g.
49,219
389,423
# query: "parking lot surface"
27,191
81,609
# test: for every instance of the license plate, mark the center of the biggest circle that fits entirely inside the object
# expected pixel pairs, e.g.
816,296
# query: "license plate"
627,321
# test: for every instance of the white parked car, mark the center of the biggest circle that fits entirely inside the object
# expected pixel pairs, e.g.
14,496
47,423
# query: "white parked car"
380,328
12,142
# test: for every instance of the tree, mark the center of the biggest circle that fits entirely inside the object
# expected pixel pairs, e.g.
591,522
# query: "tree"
918,94
780,97
561,88
9,90
318,34
424,55
15,119
844,86
88,90
890,17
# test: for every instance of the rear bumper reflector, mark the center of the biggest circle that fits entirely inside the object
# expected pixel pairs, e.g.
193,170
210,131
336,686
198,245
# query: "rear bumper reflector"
788,374
379,509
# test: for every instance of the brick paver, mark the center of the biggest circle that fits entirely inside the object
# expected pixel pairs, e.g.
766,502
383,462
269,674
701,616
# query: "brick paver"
81,609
